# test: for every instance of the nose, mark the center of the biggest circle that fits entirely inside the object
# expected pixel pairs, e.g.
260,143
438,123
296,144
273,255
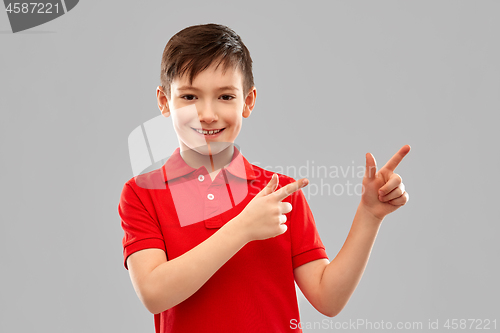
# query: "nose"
207,113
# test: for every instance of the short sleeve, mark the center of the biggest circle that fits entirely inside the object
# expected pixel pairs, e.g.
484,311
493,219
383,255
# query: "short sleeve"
306,243
141,230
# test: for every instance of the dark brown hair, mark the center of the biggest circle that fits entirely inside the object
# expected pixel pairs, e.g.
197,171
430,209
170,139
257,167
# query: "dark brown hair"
195,48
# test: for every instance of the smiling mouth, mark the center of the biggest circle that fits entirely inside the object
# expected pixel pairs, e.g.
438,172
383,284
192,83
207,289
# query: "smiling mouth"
208,132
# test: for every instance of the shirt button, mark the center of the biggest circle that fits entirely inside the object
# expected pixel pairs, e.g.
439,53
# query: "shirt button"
210,196
201,178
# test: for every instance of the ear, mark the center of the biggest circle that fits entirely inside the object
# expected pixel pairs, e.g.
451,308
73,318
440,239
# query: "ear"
162,102
249,102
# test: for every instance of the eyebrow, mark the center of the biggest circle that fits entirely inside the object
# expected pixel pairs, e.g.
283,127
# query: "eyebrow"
220,88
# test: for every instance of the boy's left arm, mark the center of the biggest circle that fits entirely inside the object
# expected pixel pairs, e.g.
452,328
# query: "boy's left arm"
329,285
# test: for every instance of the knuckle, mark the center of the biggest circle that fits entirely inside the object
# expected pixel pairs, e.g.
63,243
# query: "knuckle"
398,192
395,202
285,207
400,201
398,178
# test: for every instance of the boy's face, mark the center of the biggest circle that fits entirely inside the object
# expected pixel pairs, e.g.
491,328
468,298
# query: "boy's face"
214,102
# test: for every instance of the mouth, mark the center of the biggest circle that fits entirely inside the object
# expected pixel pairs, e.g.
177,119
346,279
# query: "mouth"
212,133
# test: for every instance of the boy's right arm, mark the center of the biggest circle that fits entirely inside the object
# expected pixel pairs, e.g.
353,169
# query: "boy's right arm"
162,284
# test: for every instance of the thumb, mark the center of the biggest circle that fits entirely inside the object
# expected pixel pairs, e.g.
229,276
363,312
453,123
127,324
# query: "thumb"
270,187
371,166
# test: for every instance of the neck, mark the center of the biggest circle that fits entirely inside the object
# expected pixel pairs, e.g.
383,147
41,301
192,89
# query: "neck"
212,162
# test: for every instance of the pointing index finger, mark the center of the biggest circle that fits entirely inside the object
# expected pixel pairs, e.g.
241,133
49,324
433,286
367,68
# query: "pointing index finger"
285,191
397,158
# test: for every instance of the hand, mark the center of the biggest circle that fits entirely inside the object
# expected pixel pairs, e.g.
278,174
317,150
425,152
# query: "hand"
384,191
263,217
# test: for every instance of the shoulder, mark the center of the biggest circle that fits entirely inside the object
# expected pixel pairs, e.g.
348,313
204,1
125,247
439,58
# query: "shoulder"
152,180
143,188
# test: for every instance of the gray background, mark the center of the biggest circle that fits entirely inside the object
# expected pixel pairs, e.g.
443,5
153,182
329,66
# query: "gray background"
335,80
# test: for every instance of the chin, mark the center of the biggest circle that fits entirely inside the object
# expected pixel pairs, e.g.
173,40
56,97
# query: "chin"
215,148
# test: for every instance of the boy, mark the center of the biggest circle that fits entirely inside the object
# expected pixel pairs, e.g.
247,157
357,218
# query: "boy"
222,254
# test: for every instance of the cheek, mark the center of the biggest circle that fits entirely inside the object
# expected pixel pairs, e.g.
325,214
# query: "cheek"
235,123
185,115
235,130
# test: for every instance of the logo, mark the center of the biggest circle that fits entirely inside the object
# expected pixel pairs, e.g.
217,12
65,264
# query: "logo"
25,15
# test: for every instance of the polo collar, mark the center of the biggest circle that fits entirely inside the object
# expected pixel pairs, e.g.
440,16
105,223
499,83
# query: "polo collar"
176,167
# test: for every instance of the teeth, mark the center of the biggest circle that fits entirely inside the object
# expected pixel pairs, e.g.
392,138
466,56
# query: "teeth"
207,132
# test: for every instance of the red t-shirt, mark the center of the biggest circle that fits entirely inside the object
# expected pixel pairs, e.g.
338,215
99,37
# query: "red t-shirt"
176,207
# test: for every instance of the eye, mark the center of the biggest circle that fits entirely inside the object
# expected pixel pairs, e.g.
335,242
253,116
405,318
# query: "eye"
227,97
188,97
